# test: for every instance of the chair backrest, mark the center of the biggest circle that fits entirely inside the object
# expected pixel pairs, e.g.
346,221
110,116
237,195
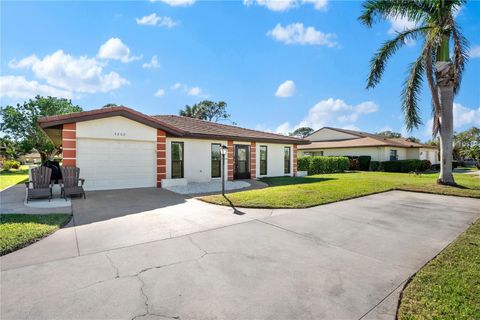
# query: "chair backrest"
41,177
70,176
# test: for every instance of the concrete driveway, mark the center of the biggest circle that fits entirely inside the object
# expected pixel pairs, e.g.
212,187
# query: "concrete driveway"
151,254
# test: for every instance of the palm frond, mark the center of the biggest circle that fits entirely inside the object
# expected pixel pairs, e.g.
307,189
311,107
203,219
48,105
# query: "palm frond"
411,94
381,57
415,10
460,56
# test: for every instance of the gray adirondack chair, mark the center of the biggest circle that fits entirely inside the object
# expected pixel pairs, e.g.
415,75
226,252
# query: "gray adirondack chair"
71,183
41,184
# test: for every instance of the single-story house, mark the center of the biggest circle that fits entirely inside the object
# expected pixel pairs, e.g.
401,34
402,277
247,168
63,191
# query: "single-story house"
30,158
330,141
119,147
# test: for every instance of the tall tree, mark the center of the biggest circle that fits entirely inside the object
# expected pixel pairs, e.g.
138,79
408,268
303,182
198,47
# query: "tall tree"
207,110
20,122
467,144
436,26
302,132
389,134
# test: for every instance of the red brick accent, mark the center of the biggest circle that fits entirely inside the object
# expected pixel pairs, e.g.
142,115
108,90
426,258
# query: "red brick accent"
69,144
230,160
295,160
161,157
253,160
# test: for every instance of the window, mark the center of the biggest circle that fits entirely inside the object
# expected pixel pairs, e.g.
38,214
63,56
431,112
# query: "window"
263,160
393,155
286,160
319,153
177,160
216,160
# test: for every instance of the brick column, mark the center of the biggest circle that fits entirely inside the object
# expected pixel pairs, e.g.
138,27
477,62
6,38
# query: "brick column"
69,144
294,160
161,157
253,160
230,162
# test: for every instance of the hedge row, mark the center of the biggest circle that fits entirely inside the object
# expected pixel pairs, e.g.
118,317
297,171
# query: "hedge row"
316,165
400,165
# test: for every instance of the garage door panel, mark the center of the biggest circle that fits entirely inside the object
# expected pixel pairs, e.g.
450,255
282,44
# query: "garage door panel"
110,164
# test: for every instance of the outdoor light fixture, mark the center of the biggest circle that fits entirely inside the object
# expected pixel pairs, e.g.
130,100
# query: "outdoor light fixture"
223,150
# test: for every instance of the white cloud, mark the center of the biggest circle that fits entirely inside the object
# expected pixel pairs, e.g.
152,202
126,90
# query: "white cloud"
152,64
296,33
474,52
176,3
154,20
82,74
400,25
285,5
160,93
176,86
115,49
194,91
17,87
463,116
286,89
331,112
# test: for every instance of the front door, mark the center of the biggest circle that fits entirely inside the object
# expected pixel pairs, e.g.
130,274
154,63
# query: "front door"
242,158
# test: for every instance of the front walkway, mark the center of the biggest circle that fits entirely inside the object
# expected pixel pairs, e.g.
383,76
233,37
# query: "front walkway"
154,254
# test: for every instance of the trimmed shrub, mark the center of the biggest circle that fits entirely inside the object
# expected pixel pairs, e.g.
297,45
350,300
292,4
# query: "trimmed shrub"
303,163
10,164
328,165
375,166
404,165
426,165
364,162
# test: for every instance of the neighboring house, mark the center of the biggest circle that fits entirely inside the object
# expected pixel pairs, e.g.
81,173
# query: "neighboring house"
30,158
341,142
119,147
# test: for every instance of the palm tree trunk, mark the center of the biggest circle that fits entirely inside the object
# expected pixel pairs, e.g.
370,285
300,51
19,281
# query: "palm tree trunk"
444,76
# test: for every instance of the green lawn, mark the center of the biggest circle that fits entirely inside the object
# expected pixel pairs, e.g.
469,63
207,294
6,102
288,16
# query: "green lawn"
287,192
448,287
20,230
9,178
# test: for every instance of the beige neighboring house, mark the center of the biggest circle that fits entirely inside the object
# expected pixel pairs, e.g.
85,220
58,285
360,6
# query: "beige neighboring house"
31,158
341,142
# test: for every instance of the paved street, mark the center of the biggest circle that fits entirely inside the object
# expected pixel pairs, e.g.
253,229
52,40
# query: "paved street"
157,255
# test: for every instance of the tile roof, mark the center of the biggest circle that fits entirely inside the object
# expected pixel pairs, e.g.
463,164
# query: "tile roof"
200,128
174,125
364,139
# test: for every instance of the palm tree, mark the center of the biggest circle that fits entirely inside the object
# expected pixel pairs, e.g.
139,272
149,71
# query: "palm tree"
436,26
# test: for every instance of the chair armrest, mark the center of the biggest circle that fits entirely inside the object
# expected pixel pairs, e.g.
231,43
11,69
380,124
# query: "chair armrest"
82,181
27,184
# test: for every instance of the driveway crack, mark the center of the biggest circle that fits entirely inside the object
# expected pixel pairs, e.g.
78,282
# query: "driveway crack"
113,265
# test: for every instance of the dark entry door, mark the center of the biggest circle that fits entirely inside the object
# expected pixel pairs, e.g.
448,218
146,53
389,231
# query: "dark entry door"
242,161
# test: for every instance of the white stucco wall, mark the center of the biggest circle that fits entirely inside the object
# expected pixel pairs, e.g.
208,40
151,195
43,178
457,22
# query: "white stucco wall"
377,153
329,134
116,128
197,158
429,154
275,163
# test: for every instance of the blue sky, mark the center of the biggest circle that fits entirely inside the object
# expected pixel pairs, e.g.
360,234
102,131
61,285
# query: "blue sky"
278,65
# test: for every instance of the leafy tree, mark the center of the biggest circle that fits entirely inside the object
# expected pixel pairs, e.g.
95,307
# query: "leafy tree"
302,132
389,134
20,122
109,105
435,25
413,139
467,144
11,147
207,110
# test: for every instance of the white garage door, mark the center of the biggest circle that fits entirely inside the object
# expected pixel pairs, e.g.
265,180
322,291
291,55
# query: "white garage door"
116,164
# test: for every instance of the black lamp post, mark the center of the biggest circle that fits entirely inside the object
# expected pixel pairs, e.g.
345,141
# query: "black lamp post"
223,150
